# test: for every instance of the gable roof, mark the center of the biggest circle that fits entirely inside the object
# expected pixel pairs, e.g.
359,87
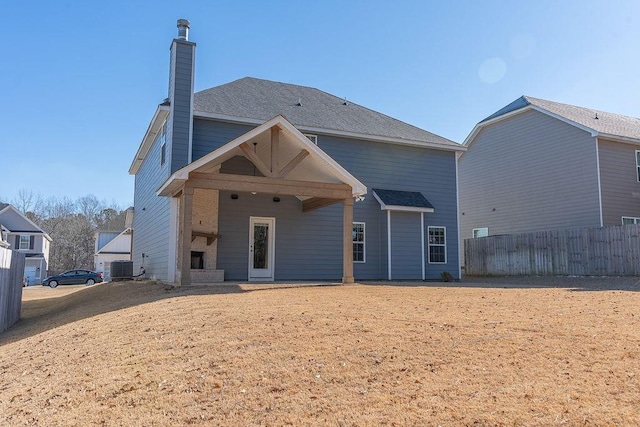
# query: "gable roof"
315,166
598,123
256,100
15,221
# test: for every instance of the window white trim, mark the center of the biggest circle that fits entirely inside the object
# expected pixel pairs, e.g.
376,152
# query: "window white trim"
480,232
312,138
630,220
638,165
25,242
438,245
357,242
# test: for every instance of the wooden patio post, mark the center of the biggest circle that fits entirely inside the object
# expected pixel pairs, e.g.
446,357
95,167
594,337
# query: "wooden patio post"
186,212
347,240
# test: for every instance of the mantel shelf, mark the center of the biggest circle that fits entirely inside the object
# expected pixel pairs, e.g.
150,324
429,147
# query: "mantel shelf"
211,237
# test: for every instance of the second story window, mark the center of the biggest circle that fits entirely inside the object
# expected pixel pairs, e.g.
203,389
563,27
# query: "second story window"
163,144
25,242
312,138
638,164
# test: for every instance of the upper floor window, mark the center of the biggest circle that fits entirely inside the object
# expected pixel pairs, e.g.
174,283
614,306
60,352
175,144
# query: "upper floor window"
163,144
358,242
480,232
312,138
626,220
25,242
437,245
638,164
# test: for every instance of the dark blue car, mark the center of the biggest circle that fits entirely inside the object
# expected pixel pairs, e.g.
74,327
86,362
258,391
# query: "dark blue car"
73,277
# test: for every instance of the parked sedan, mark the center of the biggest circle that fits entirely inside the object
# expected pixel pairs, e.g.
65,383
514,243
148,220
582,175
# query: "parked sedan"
73,277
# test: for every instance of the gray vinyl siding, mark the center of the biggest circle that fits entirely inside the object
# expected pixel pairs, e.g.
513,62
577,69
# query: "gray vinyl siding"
180,91
406,253
208,135
398,167
619,181
529,172
309,245
151,219
12,220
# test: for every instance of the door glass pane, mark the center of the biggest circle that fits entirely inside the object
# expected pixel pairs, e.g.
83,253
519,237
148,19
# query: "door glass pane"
261,246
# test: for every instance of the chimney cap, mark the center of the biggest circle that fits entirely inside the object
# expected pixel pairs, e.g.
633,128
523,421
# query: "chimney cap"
183,29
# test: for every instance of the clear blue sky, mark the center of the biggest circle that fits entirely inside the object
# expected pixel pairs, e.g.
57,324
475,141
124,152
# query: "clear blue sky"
81,79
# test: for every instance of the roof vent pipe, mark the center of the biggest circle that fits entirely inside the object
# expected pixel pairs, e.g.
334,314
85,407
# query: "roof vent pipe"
183,29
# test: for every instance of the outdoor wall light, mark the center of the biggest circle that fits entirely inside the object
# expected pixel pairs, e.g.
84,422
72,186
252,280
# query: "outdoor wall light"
234,196
276,199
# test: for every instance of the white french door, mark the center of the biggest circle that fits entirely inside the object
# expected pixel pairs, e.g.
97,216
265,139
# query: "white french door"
261,248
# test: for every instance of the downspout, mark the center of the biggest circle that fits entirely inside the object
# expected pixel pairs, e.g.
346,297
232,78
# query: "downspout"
389,243
599,183
422,243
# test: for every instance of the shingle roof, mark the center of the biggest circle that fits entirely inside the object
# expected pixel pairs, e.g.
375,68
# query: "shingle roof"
411,199
3,205
305,107
605,123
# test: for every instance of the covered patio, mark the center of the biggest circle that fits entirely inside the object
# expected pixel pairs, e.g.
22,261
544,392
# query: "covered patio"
281,162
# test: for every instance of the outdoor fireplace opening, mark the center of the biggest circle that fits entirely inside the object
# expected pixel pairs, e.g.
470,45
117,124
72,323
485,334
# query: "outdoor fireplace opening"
197,260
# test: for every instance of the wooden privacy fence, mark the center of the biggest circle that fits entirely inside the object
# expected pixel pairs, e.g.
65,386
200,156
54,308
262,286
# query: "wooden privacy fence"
11,276
604,251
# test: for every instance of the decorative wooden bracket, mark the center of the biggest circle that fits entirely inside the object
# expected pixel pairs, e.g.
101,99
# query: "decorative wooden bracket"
211,237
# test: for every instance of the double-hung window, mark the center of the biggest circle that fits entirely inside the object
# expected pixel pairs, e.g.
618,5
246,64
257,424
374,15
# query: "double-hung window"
358,242
638,164
25,242
437,245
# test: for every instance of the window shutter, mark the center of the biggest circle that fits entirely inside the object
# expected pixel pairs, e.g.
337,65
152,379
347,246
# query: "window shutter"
31,241
17,245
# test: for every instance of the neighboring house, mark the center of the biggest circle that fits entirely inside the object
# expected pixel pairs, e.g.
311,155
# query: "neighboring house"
24,236
256,180
113,246
540,165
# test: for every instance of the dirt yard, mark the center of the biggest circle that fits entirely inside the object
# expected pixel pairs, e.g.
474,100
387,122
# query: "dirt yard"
499,352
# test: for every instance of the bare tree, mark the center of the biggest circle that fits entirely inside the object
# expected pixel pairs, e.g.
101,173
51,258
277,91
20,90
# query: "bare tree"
72,226
25,201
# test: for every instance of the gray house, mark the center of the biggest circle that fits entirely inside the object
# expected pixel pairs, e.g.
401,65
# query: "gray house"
23,235
540,165
260,180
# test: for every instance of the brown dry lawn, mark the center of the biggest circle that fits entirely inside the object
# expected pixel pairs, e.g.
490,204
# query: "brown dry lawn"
481,352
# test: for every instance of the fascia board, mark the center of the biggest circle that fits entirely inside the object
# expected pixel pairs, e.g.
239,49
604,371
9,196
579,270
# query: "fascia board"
469,139
343,174
352,135
617,138
150,135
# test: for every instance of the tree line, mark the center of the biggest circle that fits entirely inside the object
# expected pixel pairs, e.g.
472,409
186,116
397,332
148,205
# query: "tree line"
72,225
